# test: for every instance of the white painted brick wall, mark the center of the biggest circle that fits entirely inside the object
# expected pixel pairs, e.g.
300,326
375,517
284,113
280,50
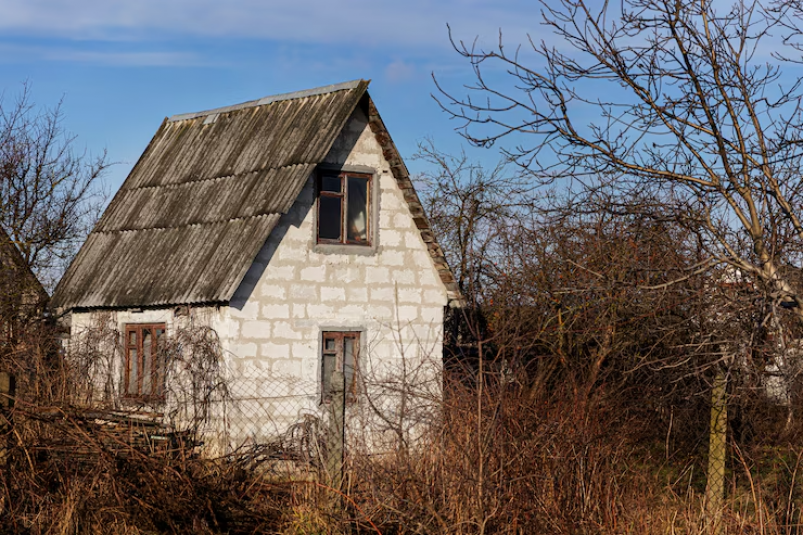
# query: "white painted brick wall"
314,273
275,291
393,258
409,295
357,294
287,368
333,293
274,351
407,313
383,294
256,330
275,311
375,275
279,272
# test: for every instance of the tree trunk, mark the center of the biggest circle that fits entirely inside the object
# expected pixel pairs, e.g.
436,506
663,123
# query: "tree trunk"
717,437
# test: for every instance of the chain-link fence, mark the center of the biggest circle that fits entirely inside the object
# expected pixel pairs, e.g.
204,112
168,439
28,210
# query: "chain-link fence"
494,442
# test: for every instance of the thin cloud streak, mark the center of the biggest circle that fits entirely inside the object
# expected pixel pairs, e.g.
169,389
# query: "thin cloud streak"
416,22
20,53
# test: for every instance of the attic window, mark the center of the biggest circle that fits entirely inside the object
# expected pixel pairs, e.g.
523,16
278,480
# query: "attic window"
343,208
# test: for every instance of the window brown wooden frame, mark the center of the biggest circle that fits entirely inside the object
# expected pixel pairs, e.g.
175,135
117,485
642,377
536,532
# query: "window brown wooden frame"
145,361
326,193
334,357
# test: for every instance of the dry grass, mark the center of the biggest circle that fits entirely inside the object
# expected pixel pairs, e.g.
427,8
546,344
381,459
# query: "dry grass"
519,462
564,456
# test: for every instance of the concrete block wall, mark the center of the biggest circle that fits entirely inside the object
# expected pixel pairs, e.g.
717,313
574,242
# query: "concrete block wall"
101,332
294,291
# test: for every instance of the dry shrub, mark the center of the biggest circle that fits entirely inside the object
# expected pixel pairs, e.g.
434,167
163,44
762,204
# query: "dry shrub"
501,457
576,453
508,459
74,475
568,458
72,464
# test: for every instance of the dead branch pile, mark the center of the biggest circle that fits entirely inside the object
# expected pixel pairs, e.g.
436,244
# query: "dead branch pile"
77,474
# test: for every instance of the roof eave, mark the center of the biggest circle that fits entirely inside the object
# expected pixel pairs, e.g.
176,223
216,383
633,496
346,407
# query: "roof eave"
402,176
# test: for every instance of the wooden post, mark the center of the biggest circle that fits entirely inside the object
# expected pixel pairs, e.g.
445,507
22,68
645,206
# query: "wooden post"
717,442
7,392
336,432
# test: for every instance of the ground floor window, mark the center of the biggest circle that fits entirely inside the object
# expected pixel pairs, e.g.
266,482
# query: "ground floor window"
144,364
339,352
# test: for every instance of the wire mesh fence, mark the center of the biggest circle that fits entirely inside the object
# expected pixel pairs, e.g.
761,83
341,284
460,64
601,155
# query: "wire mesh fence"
490,443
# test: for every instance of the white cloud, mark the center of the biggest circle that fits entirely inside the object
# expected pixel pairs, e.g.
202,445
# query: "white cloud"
399,71
413,22
14,53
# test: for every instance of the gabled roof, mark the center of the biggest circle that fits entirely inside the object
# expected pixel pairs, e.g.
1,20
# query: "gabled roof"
19,286
202,200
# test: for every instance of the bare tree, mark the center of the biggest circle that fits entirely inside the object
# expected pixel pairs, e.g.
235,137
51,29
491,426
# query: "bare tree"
677,98
49,192
471,207
684,102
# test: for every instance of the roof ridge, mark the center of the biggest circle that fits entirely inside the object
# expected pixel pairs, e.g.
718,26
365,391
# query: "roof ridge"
268,100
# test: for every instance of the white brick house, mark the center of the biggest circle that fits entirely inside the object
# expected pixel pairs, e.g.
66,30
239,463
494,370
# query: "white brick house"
288,226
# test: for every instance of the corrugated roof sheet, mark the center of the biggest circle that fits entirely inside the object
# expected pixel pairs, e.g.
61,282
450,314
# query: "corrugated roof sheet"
191,217
18,284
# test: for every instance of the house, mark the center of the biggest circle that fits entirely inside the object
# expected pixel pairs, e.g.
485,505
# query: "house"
287,229
23,296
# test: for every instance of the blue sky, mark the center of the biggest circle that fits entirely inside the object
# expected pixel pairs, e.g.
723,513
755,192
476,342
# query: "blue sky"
122,66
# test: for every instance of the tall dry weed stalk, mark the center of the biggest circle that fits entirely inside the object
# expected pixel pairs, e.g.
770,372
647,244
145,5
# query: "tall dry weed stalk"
525,462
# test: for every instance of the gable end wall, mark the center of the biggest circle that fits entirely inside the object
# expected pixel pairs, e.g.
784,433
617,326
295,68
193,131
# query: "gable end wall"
293,292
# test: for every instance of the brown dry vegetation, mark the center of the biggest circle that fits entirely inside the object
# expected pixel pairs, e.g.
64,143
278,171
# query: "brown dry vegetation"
524,462
568,453
575,400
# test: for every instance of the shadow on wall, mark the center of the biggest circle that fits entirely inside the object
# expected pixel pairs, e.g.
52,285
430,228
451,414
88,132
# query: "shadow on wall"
294,217
344,145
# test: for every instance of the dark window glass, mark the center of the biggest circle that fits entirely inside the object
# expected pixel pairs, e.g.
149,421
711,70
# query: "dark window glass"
147,362
357,219
133,371
159,363
329,218
344,215
331,183
328,368
349,354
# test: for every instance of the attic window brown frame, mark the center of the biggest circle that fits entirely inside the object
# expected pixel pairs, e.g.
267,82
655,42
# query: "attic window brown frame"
145,361
341,196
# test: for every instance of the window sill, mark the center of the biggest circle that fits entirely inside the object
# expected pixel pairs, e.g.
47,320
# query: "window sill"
345,249
149,402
